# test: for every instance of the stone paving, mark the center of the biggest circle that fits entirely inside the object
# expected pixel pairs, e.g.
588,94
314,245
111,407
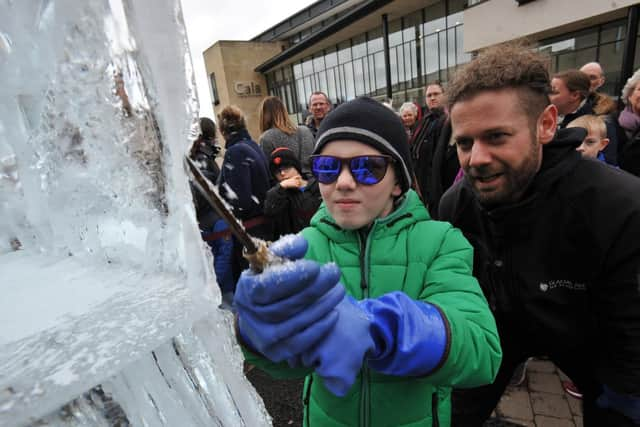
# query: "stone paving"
540,401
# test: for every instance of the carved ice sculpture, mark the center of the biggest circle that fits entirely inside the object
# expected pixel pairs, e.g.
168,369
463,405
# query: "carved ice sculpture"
107,296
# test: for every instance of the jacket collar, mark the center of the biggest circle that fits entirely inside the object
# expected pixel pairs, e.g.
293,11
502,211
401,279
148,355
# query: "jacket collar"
408,211
237,136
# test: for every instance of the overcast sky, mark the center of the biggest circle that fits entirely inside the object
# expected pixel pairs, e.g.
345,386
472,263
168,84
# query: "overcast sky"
208,21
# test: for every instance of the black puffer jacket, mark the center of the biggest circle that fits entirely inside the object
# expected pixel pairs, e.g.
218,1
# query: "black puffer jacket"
291,209
562,266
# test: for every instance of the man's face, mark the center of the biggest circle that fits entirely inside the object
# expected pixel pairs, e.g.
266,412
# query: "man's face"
566,101
354,205
319,107
596,75
497,147
434,96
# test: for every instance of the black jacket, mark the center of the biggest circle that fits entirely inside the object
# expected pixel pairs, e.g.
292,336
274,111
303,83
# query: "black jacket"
291,209
423,147
444,169
561,268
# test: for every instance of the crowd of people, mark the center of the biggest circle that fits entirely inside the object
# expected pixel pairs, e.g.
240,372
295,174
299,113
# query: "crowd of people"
433,251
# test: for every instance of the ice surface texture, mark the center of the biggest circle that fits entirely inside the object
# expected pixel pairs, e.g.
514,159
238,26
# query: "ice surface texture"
107,315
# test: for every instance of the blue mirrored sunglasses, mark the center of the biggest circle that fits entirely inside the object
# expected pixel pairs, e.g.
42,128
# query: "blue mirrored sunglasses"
366,170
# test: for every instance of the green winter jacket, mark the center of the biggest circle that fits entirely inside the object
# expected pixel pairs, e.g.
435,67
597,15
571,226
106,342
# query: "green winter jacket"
429,261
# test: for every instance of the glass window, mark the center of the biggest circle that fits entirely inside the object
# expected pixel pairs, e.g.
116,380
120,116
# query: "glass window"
393,60
395,33
350,90
291,106
358,76
307,67
586,38
456,6
302,98
451,46
372,73
614,31
375,43
308,87
411,24
344,52
462,57
322,80
318,63
455,19
297,70
442,49
331,84
359,48
288,74
431,56
434,18
331,58
380,71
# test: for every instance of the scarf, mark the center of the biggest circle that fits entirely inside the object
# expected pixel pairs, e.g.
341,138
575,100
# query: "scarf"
629,120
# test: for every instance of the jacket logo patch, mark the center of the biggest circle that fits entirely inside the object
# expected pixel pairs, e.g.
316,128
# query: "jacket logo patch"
565,284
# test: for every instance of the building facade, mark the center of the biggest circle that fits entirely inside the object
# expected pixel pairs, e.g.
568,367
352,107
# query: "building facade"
393,48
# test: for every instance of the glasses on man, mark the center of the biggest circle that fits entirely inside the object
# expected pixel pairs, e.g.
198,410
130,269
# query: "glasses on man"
366,170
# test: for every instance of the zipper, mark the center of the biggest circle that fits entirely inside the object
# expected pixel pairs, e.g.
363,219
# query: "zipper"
435,422
365,402
307,398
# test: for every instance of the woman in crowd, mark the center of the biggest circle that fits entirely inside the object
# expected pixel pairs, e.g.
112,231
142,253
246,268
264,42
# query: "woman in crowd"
629,121
279,131
214,230
244,181
409,116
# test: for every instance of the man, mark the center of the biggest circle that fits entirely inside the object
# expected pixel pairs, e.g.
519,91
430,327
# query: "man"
424,141
603,105
569,92
555,238
319,107
596,76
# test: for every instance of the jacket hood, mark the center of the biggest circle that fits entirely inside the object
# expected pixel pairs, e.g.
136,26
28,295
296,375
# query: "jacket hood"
409,210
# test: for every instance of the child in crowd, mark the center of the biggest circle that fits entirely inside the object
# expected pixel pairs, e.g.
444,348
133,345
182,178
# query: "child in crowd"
384,315
293,200
596,139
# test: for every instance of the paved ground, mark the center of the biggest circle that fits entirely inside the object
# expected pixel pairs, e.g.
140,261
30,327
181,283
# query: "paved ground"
540,401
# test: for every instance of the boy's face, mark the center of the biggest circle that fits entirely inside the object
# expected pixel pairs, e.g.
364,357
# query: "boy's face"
592,145
286,173
354,205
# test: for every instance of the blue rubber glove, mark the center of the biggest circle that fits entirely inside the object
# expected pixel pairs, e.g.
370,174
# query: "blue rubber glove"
276,307
629,406
394,334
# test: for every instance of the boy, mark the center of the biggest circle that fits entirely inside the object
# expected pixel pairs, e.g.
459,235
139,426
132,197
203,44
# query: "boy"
293,200
383,335
596,139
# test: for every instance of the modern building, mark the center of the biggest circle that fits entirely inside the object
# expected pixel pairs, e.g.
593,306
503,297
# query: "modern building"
393,48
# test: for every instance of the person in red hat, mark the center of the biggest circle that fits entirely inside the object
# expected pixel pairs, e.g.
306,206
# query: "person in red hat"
293,200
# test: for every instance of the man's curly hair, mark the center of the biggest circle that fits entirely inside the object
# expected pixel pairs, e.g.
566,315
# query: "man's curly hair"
510,65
